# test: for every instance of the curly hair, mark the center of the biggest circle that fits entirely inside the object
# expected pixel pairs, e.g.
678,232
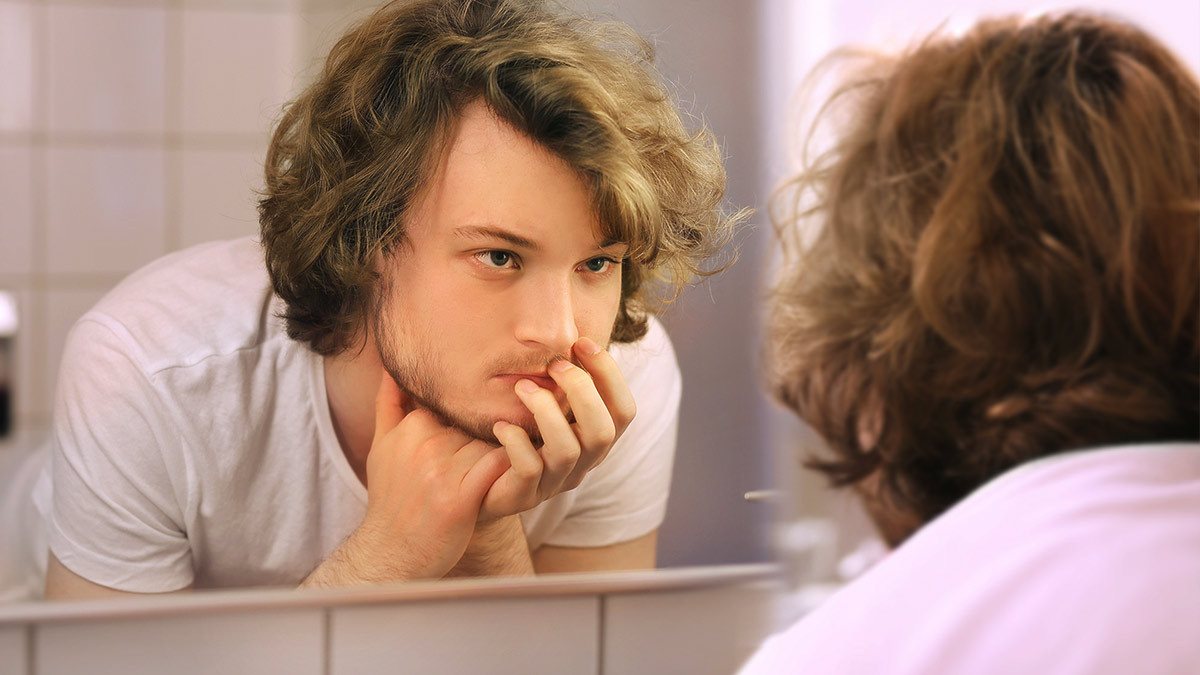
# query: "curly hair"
1006,264
353,151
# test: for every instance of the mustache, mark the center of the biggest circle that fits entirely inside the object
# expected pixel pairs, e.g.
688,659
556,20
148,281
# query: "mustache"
527,364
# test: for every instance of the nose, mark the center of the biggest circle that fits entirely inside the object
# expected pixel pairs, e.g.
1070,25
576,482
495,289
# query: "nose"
547,316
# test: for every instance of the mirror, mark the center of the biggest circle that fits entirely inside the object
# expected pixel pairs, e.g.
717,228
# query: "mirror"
143,131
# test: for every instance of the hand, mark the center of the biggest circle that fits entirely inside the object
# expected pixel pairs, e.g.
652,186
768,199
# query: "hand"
425,484
603,408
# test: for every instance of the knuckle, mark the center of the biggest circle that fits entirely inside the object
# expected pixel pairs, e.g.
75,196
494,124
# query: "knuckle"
528,472
606,435
627,411
576,377
562,458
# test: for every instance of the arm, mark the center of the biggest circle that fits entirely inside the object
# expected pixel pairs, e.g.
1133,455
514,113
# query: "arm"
425,483
63,584
636,554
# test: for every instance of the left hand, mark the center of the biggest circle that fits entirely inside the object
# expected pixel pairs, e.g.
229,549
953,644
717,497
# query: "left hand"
603,408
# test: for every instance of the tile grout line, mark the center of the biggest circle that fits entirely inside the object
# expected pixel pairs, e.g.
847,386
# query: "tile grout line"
173,125
600,635
39,159
327,641
30,650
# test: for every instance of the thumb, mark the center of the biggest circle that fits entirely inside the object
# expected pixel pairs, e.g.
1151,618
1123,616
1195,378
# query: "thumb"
389,405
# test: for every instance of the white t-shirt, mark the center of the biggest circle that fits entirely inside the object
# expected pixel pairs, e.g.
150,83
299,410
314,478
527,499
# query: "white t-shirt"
193,443
1081,563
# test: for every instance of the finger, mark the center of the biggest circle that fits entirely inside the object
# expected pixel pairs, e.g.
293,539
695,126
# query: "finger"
469,455
525,463
388,405
610,382
560,447
483,474
594,424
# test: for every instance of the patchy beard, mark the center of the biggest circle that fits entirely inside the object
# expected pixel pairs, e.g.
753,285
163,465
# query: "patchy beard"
416,375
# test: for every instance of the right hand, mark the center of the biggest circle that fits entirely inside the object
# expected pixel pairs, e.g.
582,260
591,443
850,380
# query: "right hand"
425,484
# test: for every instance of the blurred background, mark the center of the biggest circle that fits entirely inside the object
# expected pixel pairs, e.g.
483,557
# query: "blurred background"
131,128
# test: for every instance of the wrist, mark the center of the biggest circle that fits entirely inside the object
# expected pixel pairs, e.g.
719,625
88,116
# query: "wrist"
497,548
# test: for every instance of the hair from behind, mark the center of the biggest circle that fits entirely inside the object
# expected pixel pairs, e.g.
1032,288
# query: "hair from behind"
1007,264
354,150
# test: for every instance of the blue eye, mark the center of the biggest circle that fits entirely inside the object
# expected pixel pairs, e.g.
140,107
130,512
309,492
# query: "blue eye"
598,264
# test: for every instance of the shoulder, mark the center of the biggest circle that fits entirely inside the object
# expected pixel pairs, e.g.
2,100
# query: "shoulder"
207,300
1091,538
649,361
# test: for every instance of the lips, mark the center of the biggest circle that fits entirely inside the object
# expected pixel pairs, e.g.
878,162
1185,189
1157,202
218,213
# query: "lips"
540,379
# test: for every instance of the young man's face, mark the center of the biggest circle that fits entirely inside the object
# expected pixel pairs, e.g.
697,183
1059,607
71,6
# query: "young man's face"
504,270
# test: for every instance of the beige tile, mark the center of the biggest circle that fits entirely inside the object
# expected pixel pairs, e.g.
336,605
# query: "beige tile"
16,66
238,68
320,28
218,194
105,209
701,631
12,646
16,207
247,642
522,636
106,69
62,309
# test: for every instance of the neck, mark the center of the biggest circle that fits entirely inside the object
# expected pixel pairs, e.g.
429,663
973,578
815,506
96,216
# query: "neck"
351,382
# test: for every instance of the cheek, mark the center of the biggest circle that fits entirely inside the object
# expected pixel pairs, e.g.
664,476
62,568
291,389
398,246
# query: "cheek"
597,321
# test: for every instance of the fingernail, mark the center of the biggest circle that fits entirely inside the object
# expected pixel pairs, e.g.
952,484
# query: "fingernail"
499,426
587,346
559,366
527,386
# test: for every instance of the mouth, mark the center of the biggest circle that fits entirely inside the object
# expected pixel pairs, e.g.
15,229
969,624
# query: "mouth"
540,379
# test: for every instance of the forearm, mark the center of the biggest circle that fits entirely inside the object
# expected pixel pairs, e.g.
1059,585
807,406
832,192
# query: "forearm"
496,549
357,561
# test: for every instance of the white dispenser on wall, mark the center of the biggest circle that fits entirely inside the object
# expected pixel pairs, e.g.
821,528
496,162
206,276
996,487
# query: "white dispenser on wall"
8,333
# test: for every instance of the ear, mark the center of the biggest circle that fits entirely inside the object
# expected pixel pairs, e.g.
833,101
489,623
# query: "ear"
893,523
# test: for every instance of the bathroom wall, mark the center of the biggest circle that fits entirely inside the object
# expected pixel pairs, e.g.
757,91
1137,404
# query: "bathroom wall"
128,129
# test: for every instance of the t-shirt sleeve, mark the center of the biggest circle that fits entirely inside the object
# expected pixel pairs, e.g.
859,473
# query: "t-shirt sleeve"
113,516
625,497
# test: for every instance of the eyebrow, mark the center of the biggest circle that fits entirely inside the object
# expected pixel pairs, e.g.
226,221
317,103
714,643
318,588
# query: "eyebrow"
491,232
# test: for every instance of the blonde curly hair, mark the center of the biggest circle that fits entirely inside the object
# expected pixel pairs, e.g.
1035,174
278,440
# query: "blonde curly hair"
353,150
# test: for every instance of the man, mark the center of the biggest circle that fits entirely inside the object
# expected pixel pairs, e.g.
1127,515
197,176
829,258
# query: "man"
437,371
997,332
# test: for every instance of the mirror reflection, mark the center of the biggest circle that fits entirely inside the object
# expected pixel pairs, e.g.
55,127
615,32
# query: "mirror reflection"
422,343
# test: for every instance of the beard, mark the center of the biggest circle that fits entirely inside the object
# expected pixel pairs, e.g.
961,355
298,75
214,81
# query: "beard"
417,373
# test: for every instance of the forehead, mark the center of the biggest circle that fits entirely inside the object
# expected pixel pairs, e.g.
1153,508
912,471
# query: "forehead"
491,175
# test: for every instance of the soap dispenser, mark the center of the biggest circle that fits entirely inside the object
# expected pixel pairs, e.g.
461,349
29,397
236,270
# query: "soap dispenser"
8,332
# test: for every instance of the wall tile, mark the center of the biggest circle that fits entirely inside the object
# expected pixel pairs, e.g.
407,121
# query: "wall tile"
247,642
106,209
106,69
523,636
711,630
16,66
13,660
63,308
218,194
16,206
238,68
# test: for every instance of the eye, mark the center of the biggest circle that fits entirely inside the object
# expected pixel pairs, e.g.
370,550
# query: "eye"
599,265
497,258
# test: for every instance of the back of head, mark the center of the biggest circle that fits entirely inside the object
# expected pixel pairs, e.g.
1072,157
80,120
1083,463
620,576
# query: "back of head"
1008,264
355,149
